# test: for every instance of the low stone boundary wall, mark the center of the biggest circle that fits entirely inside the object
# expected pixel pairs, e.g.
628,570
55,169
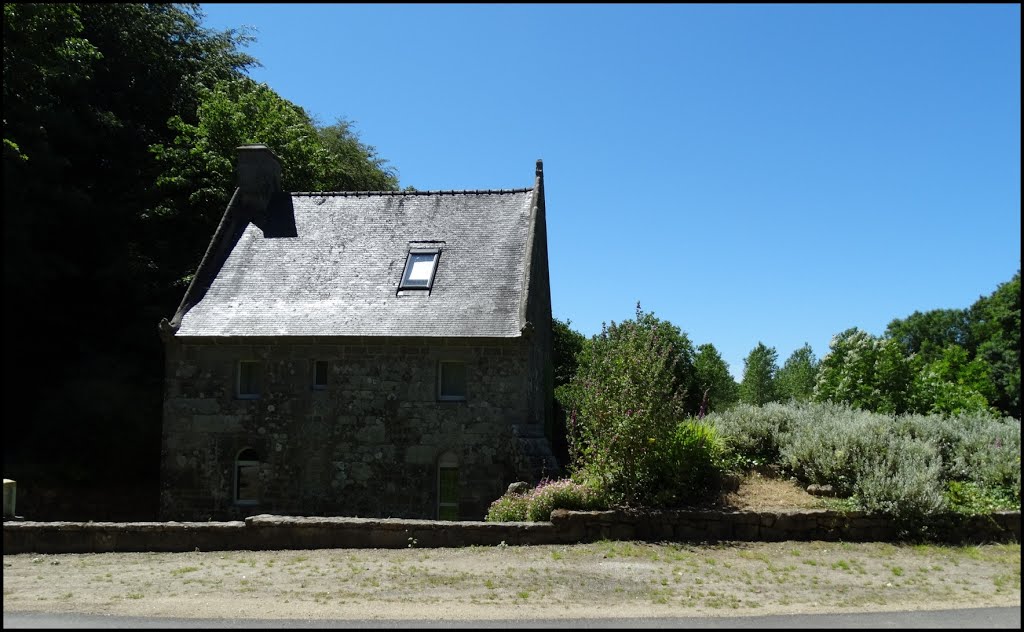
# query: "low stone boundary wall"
266,532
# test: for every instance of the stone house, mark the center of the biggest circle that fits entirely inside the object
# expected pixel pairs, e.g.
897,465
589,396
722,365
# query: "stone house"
373,354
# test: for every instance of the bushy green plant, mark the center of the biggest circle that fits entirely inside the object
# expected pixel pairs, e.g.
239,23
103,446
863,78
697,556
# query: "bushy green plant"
823,442
898,465
624,402
971,499
690,464
897,475
751,434
977,447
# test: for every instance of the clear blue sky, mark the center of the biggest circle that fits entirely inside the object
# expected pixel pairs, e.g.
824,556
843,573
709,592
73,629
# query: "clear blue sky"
748,172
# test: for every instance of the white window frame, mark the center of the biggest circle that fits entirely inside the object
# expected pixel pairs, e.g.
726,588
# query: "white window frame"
238,380
239,463
441,395
406,283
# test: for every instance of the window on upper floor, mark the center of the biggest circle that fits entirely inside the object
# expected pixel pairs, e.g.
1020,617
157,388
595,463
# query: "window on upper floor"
247,385
451,381
420,267
319,375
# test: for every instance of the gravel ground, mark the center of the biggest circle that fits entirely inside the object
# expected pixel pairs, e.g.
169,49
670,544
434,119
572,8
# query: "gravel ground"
607,579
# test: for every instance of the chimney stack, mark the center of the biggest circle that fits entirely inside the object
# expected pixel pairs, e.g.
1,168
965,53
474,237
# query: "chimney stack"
259,174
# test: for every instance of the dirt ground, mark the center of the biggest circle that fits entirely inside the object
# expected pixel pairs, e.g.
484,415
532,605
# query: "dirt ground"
607,579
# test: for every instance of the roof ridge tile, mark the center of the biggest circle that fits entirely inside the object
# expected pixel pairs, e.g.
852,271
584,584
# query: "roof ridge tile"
434,192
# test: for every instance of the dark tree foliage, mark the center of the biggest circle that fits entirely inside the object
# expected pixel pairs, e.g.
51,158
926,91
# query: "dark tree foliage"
94,240
566,345
759,368
988,335
928,333
796,379
713,381
994,336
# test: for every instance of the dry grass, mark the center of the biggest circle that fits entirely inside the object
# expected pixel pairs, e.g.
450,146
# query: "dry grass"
766,491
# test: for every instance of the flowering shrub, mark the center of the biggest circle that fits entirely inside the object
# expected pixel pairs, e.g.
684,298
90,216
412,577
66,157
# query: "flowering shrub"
508,508
537,504
562,494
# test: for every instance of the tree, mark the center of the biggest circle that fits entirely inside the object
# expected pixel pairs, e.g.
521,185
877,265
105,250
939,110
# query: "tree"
952,384
98,226
566,345
713,380
625,401
866,372
87,89
994,336
758,385
988,331
796,378
928,333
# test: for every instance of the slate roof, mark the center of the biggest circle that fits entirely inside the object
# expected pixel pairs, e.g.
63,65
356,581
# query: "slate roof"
339,274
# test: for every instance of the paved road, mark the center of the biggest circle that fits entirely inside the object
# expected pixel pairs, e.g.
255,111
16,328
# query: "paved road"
987,618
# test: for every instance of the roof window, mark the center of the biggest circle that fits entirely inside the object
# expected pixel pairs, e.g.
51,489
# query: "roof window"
420,268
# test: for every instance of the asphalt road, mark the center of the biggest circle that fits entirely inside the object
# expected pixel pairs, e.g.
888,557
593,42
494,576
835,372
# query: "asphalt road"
983,618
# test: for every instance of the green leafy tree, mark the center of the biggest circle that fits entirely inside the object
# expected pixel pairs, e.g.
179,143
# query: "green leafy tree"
989,333
952,384
866,372
199,177
926,334
566,345
994,337
758,385
796,379
355,166
625,401
713,380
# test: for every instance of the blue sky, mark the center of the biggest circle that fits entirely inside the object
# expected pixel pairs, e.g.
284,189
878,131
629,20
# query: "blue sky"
752,173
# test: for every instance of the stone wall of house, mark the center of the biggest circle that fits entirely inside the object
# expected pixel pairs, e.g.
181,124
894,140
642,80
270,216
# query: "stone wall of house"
367,445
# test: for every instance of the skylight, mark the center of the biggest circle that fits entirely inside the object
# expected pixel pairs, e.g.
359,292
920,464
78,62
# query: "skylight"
419,269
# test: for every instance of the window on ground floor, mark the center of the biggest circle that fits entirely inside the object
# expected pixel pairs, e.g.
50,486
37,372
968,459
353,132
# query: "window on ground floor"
247,469
448,487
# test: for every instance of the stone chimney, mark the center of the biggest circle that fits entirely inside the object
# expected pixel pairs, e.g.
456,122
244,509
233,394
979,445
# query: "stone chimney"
259,175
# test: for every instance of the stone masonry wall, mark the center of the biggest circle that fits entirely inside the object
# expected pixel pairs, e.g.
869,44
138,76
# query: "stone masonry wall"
368,445
265,532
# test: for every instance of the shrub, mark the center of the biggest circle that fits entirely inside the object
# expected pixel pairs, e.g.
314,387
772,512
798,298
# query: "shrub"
537,504
970,499
562,494
751,434
508,508
823,441
624,400
897,475
690,464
